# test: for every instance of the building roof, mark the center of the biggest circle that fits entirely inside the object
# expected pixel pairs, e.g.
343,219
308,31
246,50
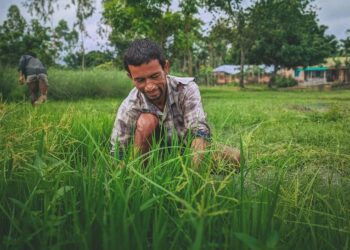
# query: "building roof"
228,69
315,69
267,69
235,69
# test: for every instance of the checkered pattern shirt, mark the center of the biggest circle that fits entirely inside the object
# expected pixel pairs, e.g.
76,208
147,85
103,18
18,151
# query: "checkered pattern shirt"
183,113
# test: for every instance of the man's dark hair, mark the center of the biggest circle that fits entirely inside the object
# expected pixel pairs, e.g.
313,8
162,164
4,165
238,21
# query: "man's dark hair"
31,53
143,51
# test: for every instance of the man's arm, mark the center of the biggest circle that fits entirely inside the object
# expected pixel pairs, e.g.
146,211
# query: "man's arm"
195,121
21,69
198,146
21,78
123,129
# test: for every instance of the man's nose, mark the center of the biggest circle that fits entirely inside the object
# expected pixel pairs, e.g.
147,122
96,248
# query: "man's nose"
149,85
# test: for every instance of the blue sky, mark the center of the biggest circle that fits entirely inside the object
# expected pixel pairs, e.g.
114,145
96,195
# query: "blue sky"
333,13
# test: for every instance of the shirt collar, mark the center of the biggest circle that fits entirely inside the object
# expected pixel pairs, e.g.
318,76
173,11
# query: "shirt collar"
172,92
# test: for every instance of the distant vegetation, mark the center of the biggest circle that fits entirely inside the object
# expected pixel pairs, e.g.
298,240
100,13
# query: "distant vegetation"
279,33
70,84
282,82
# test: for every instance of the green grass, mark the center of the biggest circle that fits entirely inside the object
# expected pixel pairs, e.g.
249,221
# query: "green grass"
59,189
69,84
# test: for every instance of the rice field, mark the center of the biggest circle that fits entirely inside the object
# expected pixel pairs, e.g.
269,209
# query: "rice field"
60,189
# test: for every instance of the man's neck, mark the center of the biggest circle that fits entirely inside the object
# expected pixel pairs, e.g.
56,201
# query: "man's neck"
161,102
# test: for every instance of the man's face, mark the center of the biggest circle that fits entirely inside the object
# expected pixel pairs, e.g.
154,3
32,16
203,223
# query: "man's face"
150,79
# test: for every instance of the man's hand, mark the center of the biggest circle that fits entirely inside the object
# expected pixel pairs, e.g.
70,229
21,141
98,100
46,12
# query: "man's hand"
230,155
21,79
198,146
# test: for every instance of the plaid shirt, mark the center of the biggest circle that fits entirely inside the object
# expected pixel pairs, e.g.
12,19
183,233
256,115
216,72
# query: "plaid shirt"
183,112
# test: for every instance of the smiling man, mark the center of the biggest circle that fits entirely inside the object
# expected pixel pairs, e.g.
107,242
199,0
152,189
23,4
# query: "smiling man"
159,104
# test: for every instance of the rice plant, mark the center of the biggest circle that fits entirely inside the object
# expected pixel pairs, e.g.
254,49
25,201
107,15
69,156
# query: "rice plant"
60,188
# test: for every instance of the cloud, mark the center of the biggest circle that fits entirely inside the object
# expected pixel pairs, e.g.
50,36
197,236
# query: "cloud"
336,15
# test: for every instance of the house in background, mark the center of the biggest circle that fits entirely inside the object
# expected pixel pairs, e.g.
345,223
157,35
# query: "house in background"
226,73
253,73
333,70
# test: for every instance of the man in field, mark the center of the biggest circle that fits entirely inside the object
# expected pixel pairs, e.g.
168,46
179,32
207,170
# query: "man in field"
33,72
158,104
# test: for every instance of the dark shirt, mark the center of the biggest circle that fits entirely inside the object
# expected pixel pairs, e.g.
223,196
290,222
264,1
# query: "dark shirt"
31,66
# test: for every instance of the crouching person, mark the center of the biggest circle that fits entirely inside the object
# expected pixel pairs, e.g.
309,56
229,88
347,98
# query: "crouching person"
33,72
160,103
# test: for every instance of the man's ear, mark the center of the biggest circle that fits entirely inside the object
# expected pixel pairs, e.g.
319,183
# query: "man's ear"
167,67
129,75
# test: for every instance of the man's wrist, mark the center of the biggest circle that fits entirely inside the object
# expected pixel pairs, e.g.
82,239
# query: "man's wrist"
202,134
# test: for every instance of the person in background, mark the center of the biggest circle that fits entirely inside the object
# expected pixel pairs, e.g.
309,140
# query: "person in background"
32,71
160,106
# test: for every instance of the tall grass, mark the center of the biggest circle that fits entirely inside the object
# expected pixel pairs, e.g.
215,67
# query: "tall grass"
69,84
60,189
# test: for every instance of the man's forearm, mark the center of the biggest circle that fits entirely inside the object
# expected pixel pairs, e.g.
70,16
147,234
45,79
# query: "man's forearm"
21,78
198,146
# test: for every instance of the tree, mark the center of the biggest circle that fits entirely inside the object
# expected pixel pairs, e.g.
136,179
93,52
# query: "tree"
237,22
38,39
11,37
92,59
179,33
287,34
17,37
220,44
66,39
84,10
45,8
244,41
130,19
190,32
345,48
186,44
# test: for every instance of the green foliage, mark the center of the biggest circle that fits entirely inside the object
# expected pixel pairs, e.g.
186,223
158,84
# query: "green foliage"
283,82
11,37
70,38
83,10
9,85
59,188
132,19
345,48
287,34
177,32
92,59
106,66
66,84
41,8
70,85
332,114
204,75
18,37
236,27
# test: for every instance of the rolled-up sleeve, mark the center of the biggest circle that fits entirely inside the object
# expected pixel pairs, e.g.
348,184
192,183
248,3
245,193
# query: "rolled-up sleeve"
194,116
123,128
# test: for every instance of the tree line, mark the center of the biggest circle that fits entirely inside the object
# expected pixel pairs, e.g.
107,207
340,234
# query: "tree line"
271,32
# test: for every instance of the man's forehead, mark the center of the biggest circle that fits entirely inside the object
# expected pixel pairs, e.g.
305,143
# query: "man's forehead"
146,69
